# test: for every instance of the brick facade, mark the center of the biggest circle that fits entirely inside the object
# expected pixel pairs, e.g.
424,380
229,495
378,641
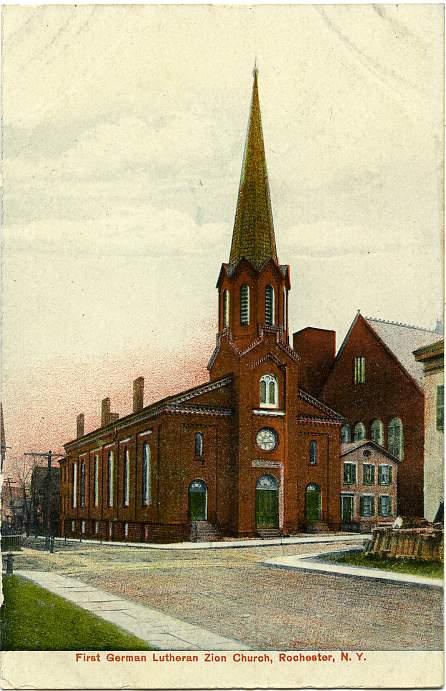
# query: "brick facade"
268,457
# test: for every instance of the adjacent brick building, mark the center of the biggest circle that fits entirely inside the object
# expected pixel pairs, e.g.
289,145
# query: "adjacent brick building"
369,486
376,384
249,452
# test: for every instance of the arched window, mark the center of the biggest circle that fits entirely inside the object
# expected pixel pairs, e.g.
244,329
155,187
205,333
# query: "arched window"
395,439
359,431
146,471
226,307
346,433
269,305
126,483
377,432
244,305
198,445
313,452
268,391
110,462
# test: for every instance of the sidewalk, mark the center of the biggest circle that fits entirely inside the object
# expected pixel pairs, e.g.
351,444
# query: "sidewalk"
311,562
161,631
230,544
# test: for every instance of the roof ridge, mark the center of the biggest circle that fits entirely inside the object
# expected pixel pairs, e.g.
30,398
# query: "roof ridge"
394,323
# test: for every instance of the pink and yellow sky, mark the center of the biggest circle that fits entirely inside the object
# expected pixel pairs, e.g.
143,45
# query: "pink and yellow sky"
123,139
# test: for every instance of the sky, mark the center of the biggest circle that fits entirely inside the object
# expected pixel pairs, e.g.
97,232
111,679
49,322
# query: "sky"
123,134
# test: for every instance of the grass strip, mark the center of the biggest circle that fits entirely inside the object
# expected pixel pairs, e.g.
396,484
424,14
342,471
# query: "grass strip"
32,618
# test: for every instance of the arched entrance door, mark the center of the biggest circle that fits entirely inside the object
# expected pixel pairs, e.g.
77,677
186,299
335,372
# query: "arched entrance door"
313,504
267,502
198,501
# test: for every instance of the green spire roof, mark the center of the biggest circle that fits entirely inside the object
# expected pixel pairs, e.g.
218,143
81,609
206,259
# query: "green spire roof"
253,235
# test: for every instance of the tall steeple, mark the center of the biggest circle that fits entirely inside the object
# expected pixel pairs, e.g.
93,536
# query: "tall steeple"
253,235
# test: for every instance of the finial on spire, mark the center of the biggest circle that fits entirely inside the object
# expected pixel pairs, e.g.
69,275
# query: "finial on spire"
256,69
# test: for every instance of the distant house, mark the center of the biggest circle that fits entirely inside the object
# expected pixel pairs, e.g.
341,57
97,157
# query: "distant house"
368,485
377,385
39,500
431,357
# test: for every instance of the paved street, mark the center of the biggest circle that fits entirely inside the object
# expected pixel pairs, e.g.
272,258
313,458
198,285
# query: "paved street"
231,593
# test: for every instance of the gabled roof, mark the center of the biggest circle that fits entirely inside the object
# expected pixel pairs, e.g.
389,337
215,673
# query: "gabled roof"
402,340
253,235
348,447
171,404
316,403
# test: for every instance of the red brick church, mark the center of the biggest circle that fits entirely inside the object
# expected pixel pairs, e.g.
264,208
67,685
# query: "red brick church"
247,453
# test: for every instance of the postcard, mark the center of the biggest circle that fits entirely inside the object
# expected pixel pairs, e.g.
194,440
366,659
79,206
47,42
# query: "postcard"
222,346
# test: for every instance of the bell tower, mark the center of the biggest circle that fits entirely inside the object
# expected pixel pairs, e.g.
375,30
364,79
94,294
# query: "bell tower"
253,287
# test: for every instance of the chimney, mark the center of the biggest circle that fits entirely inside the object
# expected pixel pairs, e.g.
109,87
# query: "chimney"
105,412
138,394
80,425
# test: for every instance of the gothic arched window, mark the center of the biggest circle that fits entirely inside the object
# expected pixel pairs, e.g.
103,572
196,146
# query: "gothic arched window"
395,439
244,305
269,390
346,433
269,305
377,432
359,431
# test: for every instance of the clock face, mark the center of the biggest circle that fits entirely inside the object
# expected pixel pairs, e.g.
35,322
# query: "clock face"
266,439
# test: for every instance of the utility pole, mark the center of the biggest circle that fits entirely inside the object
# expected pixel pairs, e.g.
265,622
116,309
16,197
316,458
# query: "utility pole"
49,455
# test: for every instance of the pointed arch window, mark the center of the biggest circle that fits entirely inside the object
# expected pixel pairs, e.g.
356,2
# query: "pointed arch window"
126,483
269,305
395,440
269,391
377,432
146,472
244,305
346,433
226,307
359,431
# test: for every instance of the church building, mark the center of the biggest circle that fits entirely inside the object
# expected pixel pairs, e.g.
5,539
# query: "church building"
251,451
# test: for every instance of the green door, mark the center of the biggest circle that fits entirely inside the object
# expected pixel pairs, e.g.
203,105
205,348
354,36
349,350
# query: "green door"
198,500
346,508
267,502
312,503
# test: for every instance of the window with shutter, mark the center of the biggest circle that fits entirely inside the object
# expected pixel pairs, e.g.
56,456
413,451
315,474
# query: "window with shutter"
269,305
244,305
395,443
349,473
368,471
